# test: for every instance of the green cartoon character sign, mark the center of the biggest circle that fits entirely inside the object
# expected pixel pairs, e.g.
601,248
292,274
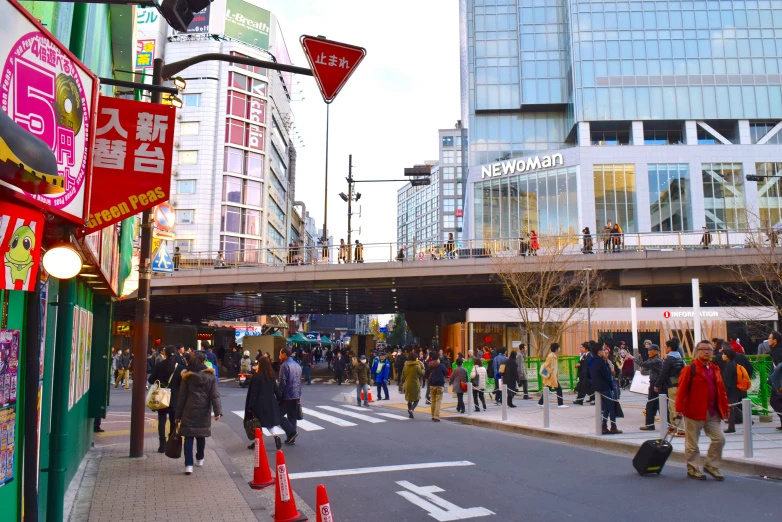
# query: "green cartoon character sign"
19,256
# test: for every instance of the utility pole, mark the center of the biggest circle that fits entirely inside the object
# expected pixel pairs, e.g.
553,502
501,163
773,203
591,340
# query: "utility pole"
589,304
350,201
325,239
141,346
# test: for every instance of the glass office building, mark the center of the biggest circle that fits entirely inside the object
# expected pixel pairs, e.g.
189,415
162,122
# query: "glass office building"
638,98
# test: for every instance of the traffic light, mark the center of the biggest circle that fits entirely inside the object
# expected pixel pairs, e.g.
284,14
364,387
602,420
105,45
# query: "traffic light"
179,13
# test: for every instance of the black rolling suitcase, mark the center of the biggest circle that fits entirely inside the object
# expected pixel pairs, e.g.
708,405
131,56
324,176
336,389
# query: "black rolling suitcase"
653,454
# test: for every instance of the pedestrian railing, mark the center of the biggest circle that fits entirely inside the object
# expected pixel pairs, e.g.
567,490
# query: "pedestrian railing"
412,252
747,432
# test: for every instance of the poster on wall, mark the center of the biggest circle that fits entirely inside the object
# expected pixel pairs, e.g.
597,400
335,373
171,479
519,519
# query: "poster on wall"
81,353
9,368
44,91
74,357
21,230
200,23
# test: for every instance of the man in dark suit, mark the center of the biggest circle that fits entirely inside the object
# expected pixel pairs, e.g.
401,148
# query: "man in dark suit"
584,385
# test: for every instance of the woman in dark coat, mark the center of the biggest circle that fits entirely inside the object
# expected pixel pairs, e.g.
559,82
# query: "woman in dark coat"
511,377
729,378
168,372
261,402
198,395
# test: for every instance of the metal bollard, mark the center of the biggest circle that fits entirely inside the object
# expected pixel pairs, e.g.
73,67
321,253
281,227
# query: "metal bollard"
504,402
746,406
663,415
469,399
546,404
598,414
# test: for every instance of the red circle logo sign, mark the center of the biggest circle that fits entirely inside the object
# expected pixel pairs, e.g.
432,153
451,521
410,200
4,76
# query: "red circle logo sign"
487,339
667,314
164,216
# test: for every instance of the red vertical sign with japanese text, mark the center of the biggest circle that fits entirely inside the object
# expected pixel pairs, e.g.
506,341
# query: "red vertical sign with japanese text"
131,159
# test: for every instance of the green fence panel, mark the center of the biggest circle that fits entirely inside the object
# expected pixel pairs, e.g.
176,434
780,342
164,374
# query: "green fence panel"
760,392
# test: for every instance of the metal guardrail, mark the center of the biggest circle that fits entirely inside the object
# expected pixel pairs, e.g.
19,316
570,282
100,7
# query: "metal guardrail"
477,248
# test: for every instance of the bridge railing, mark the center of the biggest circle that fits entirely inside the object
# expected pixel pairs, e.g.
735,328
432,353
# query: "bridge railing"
411,252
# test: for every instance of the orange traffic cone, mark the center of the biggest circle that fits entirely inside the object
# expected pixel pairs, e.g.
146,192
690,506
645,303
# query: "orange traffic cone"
370,396
284,503
324,509
262,475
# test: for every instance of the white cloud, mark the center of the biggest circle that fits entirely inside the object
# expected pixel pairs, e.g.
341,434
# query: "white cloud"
388,113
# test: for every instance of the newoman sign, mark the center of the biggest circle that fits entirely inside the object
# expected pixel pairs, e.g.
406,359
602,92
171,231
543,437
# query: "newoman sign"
505,168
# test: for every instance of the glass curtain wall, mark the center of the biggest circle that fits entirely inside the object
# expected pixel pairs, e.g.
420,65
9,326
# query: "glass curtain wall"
723,195
669,193
545,202
615,196
770,194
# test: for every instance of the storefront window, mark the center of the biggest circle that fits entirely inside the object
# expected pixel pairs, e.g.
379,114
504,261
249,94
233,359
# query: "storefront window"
770,194
669,193
615,196
543,201
723,195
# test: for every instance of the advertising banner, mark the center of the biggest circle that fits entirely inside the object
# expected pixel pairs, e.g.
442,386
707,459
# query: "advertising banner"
247,23
134,145
145,54
200,23
45,91
9,381
21,230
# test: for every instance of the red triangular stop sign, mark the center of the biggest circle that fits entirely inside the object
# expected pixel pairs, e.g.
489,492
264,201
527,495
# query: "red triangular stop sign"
332,63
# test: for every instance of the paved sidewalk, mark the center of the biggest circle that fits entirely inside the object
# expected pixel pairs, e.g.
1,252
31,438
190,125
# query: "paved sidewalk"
155,488
579,421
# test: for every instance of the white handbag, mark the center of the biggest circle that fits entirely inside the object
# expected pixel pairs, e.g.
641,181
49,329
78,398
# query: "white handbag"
159,398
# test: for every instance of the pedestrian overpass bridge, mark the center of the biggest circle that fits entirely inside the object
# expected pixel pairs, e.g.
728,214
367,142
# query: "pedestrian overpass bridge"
193,294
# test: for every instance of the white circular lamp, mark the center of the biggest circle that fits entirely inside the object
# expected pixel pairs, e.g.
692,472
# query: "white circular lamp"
62,261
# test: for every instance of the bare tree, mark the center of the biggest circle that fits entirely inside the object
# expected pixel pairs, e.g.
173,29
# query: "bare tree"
549,289
760,283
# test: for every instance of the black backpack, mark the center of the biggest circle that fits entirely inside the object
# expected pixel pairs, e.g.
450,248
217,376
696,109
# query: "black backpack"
490,369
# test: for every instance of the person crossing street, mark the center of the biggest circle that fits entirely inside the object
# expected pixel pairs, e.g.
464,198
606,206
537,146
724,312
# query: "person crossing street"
361,376
381,369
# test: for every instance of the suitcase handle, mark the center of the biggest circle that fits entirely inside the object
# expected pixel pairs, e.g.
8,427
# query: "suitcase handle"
669,436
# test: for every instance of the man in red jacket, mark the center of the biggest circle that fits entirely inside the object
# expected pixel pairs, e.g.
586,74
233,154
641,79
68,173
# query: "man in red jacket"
703,402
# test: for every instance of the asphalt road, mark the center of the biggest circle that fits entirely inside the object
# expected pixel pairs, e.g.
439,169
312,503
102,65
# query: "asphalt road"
512,476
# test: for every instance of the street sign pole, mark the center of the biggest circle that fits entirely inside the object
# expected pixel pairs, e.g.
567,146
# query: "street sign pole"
142,310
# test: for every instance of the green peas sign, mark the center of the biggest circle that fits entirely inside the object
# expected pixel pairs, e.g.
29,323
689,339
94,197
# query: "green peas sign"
21,229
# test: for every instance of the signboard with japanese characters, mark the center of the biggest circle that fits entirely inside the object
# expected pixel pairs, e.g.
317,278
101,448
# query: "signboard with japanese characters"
247,23
21,231
134,144
332,63
145,54
45,91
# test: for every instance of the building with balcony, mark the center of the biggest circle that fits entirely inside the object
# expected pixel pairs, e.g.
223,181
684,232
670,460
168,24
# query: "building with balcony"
234,170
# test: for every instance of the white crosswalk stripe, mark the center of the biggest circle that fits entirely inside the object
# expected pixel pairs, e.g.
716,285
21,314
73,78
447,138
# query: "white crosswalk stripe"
367,418
382,414
303,424
328,418
333,417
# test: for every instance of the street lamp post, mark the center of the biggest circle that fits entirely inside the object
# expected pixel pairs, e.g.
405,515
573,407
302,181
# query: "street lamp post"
350,202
